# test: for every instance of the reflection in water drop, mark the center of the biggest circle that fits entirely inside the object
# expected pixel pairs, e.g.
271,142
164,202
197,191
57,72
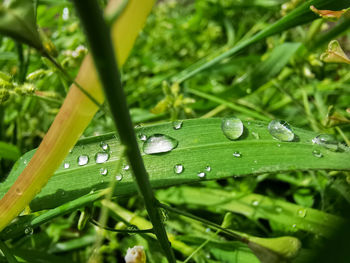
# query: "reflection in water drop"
159,143
83,160
101,157
232,128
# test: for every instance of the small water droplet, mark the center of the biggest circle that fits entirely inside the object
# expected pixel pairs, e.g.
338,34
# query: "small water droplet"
317,153
66,165
71,150
278,145
232,128
177,125
159,143
178,168
237,154
101,157
142,137
25,162
126,167
103,171
278,209
104,146
208,168
19,191
294,225
83,159
281,130
119,177
301,212
28,231
255,203
208,230
256,135
201,174
327,141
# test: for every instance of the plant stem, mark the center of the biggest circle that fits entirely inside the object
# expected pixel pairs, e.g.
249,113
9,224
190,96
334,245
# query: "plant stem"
105,61
5,250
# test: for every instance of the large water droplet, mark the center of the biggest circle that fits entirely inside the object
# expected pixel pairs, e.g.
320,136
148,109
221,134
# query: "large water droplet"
66,165
327,141
83,159
281,130
119,177
104,146
237,154
232,128
201,174
177,125
101,157
159,143
317,153
178,168
302,212
103,171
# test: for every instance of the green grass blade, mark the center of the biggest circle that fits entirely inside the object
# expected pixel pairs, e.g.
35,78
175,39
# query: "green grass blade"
9,151
201,143
298,16
255,206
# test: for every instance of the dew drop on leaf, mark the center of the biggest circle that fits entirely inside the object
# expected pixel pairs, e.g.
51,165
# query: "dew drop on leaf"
327,141
103,171
119,177
232,128
278,209
178,168
101,157
237,154
159,143
208,168
281,130
302,212
66,165
142,137
126,167
104,146
317,153
201,174
83,160
255,203
177,125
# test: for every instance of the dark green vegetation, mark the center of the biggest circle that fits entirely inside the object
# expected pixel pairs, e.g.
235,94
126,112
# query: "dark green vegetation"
262,187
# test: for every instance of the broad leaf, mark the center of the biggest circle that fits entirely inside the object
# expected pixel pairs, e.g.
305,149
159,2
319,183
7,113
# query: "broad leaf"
201,143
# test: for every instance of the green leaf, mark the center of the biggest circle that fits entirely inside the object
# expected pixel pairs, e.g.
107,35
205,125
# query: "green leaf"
9,151
201,143
17,20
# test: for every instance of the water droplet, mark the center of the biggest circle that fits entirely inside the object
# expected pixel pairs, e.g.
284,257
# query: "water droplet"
19,191
83,159
71,150
142,137
232,128
66,165
278,209
104,146
208,168
317,153
28,231
101,157
255,203
25,162
178,168
201,174
278,145
294,225
103,171
327,141
281,130
256,135
119,177
237,154
126,167
159,143
302,212
177,125
208,230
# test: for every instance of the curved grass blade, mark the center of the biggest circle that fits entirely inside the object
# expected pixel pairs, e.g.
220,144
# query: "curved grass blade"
75,114
201,143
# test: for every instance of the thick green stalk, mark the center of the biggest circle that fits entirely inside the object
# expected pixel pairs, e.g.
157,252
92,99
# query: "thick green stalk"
105,61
